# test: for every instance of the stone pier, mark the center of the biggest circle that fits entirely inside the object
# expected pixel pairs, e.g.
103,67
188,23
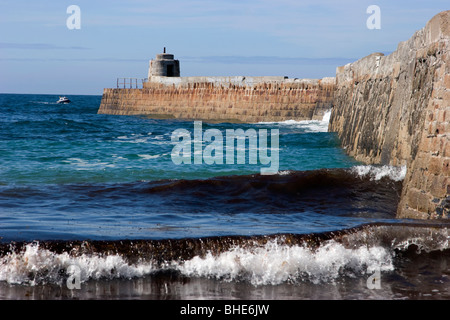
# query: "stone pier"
223,99
395,110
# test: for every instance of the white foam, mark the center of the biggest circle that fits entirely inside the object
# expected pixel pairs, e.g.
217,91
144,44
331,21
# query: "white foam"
143,138
36,265
82,165
274,264
436,239
270,264
149,156
307,125
44,102
326,117
396,173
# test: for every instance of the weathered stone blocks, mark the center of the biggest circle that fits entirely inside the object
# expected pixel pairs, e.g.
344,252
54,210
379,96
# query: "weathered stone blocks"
237,102
395,110
391,109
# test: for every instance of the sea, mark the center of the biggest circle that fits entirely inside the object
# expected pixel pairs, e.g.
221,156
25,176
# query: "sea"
96,207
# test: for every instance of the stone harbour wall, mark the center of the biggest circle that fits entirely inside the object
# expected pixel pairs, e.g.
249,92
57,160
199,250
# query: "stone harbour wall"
228,99
392,110
395,110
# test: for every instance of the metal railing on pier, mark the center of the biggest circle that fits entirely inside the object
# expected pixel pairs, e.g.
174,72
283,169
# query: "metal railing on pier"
130,83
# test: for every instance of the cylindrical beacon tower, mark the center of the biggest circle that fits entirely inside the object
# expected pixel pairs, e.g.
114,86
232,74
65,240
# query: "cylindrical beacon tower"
164,65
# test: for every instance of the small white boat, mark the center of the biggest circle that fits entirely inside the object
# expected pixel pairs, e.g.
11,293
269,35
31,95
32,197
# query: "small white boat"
63,100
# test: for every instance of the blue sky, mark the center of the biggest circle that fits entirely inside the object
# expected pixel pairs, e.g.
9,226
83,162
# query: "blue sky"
294,38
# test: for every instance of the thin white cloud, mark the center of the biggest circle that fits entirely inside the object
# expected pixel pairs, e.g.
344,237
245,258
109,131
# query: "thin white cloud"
264,60
255,60
303,23
38,46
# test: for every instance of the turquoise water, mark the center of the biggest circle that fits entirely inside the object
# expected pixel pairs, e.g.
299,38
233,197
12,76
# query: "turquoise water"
46,143
69,173
102,194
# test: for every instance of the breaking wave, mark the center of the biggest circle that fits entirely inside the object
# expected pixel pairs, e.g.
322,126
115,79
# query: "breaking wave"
307,125
396,173
259,260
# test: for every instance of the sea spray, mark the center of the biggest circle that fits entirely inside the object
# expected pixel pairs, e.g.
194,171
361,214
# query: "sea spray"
307,126
270,264
260,260
276,263
396,173
35,265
